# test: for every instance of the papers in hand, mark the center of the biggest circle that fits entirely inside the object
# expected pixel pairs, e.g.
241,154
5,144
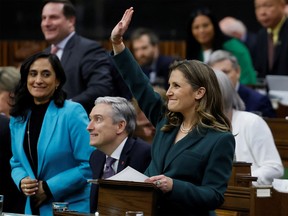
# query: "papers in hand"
128,174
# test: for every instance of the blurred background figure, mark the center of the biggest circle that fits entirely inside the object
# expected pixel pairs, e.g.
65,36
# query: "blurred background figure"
86,64
9,78
145,48
286,7
204,36
14,201
272,38
254,101
254,140
112,123
144,128
235,28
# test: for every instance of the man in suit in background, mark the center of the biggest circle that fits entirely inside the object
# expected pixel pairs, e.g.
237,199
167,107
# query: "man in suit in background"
254,101
272,40
86,64
14,201
233,27
112,123
145,48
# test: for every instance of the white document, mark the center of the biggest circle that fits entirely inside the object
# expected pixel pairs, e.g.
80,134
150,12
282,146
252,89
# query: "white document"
129,174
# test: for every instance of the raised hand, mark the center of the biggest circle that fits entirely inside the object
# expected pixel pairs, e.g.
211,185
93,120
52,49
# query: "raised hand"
121,27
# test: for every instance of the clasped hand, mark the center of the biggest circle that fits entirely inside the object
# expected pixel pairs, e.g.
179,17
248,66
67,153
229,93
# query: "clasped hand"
33,187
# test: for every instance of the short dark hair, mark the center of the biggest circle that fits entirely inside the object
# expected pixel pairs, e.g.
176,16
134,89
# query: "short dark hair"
68,9
139,32
22,99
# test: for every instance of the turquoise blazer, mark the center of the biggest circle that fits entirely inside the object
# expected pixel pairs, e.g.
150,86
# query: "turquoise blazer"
63,156
200,164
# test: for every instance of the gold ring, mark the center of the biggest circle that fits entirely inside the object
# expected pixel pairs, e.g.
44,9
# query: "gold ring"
158,183
25,186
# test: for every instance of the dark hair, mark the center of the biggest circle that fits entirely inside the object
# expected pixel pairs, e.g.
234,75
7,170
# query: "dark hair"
139,32
22,99
193,48
68,9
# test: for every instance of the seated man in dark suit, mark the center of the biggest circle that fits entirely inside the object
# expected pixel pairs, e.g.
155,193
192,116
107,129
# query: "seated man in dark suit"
144,43
254,101
112,123
14,201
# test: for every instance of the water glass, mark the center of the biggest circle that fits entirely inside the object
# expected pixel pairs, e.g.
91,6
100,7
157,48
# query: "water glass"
60,206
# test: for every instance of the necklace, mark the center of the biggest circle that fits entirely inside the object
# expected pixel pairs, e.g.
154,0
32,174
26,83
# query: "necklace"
185,130
29,143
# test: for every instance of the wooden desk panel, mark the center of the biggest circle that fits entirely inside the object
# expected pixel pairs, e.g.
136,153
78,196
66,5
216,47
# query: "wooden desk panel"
279,129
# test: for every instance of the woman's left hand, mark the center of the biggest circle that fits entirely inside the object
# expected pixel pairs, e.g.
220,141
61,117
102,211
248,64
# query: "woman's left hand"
40,195
164,183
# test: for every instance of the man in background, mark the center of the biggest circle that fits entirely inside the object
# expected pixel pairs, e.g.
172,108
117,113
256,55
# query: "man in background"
112,124
272,40
253,100
86,64
145,48
233,27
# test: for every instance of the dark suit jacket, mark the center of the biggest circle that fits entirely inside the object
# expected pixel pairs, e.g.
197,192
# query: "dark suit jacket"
14,201
162,70
136,153
254,101
200,164
250,41
88,71
280,63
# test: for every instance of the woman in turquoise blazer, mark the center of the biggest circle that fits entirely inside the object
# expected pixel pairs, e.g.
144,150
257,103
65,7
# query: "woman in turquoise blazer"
50,143
193,148
204,36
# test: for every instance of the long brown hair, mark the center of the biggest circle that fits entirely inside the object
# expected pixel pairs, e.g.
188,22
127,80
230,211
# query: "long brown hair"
210,108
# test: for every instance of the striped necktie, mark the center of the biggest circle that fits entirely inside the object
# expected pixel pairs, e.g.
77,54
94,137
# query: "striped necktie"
108,170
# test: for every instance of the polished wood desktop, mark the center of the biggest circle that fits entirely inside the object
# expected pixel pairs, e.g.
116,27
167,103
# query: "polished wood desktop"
117,197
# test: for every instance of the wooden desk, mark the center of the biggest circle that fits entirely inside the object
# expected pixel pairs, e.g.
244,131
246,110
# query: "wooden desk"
279,129
275,204
117,197
246,200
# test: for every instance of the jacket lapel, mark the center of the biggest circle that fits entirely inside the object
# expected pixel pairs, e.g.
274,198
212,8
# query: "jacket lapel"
21,129
68,50
124,159
46,133
186,142
99,159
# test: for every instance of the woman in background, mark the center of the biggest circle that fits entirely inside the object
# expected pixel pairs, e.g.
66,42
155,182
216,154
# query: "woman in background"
254,139
204,36
9,78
